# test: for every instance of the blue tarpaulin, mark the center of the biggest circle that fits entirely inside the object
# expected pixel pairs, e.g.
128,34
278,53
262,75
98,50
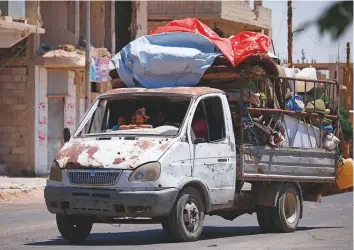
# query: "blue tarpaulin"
165,60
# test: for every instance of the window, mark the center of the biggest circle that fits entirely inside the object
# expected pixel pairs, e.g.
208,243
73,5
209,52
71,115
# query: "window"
97,122
199,123
215,117
208,121
164,115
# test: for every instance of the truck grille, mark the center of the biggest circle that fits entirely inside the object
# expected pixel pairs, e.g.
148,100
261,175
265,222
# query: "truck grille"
94,177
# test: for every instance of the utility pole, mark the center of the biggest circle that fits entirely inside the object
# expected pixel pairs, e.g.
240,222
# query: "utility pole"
290,33
347,79
88,56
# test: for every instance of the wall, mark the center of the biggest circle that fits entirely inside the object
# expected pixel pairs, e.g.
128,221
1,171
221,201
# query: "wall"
65,22
182,9
16,96
230,16
58,21
141,18
242,13
98,27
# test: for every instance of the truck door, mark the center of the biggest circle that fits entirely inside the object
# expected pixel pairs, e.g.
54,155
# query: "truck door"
212,146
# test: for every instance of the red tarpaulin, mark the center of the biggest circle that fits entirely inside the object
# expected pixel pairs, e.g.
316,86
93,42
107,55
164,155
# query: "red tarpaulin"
235,49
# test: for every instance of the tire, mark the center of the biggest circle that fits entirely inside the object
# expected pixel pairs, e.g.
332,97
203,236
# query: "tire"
166,227
74,229
265,219
184,228
286,214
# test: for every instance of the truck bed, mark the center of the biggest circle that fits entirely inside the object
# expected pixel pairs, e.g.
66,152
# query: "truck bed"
265,163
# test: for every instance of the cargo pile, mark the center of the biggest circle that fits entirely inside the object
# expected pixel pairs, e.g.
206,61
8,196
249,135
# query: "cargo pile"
269,109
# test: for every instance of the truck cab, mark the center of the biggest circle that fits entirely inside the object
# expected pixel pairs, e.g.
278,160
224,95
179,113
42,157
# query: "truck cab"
101,173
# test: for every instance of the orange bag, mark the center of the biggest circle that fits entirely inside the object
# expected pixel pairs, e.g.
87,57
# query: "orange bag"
344,177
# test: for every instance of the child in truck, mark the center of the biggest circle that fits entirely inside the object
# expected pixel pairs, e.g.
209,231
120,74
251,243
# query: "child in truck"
121,121
140,118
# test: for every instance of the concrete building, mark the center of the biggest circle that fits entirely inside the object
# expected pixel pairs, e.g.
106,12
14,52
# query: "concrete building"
229,16
42,63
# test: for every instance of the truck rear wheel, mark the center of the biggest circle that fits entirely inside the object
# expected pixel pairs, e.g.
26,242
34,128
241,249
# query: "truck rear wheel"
187,216
286,214
74,229
265,220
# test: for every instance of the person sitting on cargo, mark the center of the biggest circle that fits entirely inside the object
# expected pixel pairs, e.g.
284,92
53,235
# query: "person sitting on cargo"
140,119
121,121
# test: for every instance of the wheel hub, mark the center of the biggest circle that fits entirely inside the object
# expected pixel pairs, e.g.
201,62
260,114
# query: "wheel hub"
191,216
290,204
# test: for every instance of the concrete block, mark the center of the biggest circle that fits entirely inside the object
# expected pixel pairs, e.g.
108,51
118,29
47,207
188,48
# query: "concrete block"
22,85
6,71
19,71
8,86
71,74
71,81
20,78
20,107
6,78
43,77
4,149
18,151
10,100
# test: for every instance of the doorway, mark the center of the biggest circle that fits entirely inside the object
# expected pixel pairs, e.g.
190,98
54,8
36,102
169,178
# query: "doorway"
123,19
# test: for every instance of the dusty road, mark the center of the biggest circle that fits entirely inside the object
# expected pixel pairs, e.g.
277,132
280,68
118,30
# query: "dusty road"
326,225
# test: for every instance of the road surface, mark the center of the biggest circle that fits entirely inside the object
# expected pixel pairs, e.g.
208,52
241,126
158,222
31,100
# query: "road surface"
326,225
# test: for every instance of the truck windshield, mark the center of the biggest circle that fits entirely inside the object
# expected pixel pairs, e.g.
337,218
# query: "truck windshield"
138,114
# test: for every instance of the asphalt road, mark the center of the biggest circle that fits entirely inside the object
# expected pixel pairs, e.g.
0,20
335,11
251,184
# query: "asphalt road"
326,225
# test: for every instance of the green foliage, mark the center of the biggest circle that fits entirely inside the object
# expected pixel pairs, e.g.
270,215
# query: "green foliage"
346,126
336,18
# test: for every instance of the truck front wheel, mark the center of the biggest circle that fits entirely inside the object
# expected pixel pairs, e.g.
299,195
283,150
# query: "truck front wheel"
74,229
187,216
286,214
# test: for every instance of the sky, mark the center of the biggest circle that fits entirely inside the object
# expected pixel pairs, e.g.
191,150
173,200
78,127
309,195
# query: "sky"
320,48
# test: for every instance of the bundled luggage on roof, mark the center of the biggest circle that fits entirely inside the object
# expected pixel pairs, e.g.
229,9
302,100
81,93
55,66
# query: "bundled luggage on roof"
271,105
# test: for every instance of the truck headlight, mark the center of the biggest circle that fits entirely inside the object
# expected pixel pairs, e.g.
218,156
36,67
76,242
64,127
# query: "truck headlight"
55,172
147,172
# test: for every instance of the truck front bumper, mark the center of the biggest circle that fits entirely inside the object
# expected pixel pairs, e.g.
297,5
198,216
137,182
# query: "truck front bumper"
107,202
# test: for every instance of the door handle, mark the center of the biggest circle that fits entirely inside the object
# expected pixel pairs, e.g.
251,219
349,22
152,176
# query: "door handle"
222,160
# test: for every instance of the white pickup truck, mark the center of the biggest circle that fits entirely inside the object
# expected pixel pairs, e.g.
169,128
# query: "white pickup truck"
168,175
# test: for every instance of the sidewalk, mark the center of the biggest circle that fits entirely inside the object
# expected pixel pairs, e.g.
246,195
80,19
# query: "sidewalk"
14,187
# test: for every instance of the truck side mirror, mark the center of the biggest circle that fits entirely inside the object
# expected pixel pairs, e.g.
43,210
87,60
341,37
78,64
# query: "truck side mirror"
66,135
199,140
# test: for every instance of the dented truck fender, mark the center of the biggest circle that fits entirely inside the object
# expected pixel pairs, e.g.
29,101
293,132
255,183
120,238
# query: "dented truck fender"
200,186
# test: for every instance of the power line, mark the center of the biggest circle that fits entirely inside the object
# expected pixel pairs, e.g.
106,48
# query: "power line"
311,35
281,26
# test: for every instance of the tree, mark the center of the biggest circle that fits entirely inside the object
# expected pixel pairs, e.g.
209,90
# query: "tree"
335,20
